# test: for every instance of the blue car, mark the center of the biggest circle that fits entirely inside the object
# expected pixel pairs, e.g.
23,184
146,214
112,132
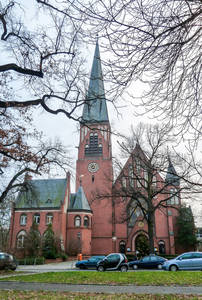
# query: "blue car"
90,263
148,262
185,261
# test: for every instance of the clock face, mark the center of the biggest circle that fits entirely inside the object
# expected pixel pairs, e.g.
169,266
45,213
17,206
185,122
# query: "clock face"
93,167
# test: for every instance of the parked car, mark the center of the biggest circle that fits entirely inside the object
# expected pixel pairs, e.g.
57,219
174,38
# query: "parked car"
89,263
148,262
7,261
113,262
185,261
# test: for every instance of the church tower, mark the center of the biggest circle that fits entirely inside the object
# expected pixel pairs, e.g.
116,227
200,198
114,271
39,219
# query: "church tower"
94,164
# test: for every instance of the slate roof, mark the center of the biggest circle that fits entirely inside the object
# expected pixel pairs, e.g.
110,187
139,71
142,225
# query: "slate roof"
95,108
79,201
42,193
171,176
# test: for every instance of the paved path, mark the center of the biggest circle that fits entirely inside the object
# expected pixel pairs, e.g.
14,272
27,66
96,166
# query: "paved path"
87,288
52,267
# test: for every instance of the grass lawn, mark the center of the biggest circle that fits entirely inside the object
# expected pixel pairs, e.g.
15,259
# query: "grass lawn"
119,278
19,295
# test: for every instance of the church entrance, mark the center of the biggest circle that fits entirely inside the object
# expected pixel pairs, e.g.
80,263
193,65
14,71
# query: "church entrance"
142,245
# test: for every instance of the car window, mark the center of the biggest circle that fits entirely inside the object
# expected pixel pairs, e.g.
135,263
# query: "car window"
153,258
146,259
197,255
113,258
187,256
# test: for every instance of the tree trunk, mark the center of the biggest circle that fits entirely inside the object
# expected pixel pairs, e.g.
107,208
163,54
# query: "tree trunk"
150,223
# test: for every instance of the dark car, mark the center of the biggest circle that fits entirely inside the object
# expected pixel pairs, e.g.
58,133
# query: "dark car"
148,262
113,262
185,261
89,263
7,261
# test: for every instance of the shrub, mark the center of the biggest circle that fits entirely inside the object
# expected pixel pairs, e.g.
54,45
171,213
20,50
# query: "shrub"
31,261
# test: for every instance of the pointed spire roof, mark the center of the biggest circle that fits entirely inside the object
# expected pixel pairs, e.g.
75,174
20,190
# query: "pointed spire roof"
171,176
95,107
79,201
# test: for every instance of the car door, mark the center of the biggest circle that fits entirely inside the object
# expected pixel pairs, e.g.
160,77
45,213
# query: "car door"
112,261
197,261
185,261
154,261
145,262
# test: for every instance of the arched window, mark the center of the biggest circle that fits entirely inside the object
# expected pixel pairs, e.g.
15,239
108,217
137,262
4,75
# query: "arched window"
37,218
174,197
23,219
131,176
86,221
122,247
49,218
162,248
93,148
123,179
77,221
20,241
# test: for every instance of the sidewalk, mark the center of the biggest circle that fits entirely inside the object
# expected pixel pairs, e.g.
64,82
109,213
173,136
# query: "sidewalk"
105,289
52,267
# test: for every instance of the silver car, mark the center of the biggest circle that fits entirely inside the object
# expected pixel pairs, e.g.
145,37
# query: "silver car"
185,261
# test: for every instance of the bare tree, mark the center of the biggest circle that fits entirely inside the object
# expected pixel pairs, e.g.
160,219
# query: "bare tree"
42,65
23,151
148,181
159,43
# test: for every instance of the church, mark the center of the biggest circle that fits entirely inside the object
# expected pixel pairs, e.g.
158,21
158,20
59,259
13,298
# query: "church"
88,221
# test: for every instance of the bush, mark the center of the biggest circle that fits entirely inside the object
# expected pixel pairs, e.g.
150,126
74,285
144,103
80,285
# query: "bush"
63,256
50,253
31,261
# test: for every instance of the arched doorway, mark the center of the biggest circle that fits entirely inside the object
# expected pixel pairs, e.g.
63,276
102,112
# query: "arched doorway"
122,247
142,245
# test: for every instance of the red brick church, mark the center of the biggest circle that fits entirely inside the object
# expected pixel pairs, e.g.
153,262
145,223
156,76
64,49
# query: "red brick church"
84,221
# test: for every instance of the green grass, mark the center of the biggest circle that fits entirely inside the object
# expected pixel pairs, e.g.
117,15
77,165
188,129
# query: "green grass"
94,277
19,295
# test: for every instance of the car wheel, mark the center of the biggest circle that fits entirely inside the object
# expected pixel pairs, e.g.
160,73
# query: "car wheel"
123,269
173,268
100,269
159,267
135,267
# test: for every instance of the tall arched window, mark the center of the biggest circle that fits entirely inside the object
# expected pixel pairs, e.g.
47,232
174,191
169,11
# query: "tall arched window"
49,218
21,239
77,221
23,219
86,221
122,247
162,248
93,147
37,218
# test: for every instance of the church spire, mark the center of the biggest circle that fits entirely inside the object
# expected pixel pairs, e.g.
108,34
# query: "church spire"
95,108
171,176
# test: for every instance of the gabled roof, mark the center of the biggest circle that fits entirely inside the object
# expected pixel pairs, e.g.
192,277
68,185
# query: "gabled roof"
171,177
42,193
95,108
79,201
